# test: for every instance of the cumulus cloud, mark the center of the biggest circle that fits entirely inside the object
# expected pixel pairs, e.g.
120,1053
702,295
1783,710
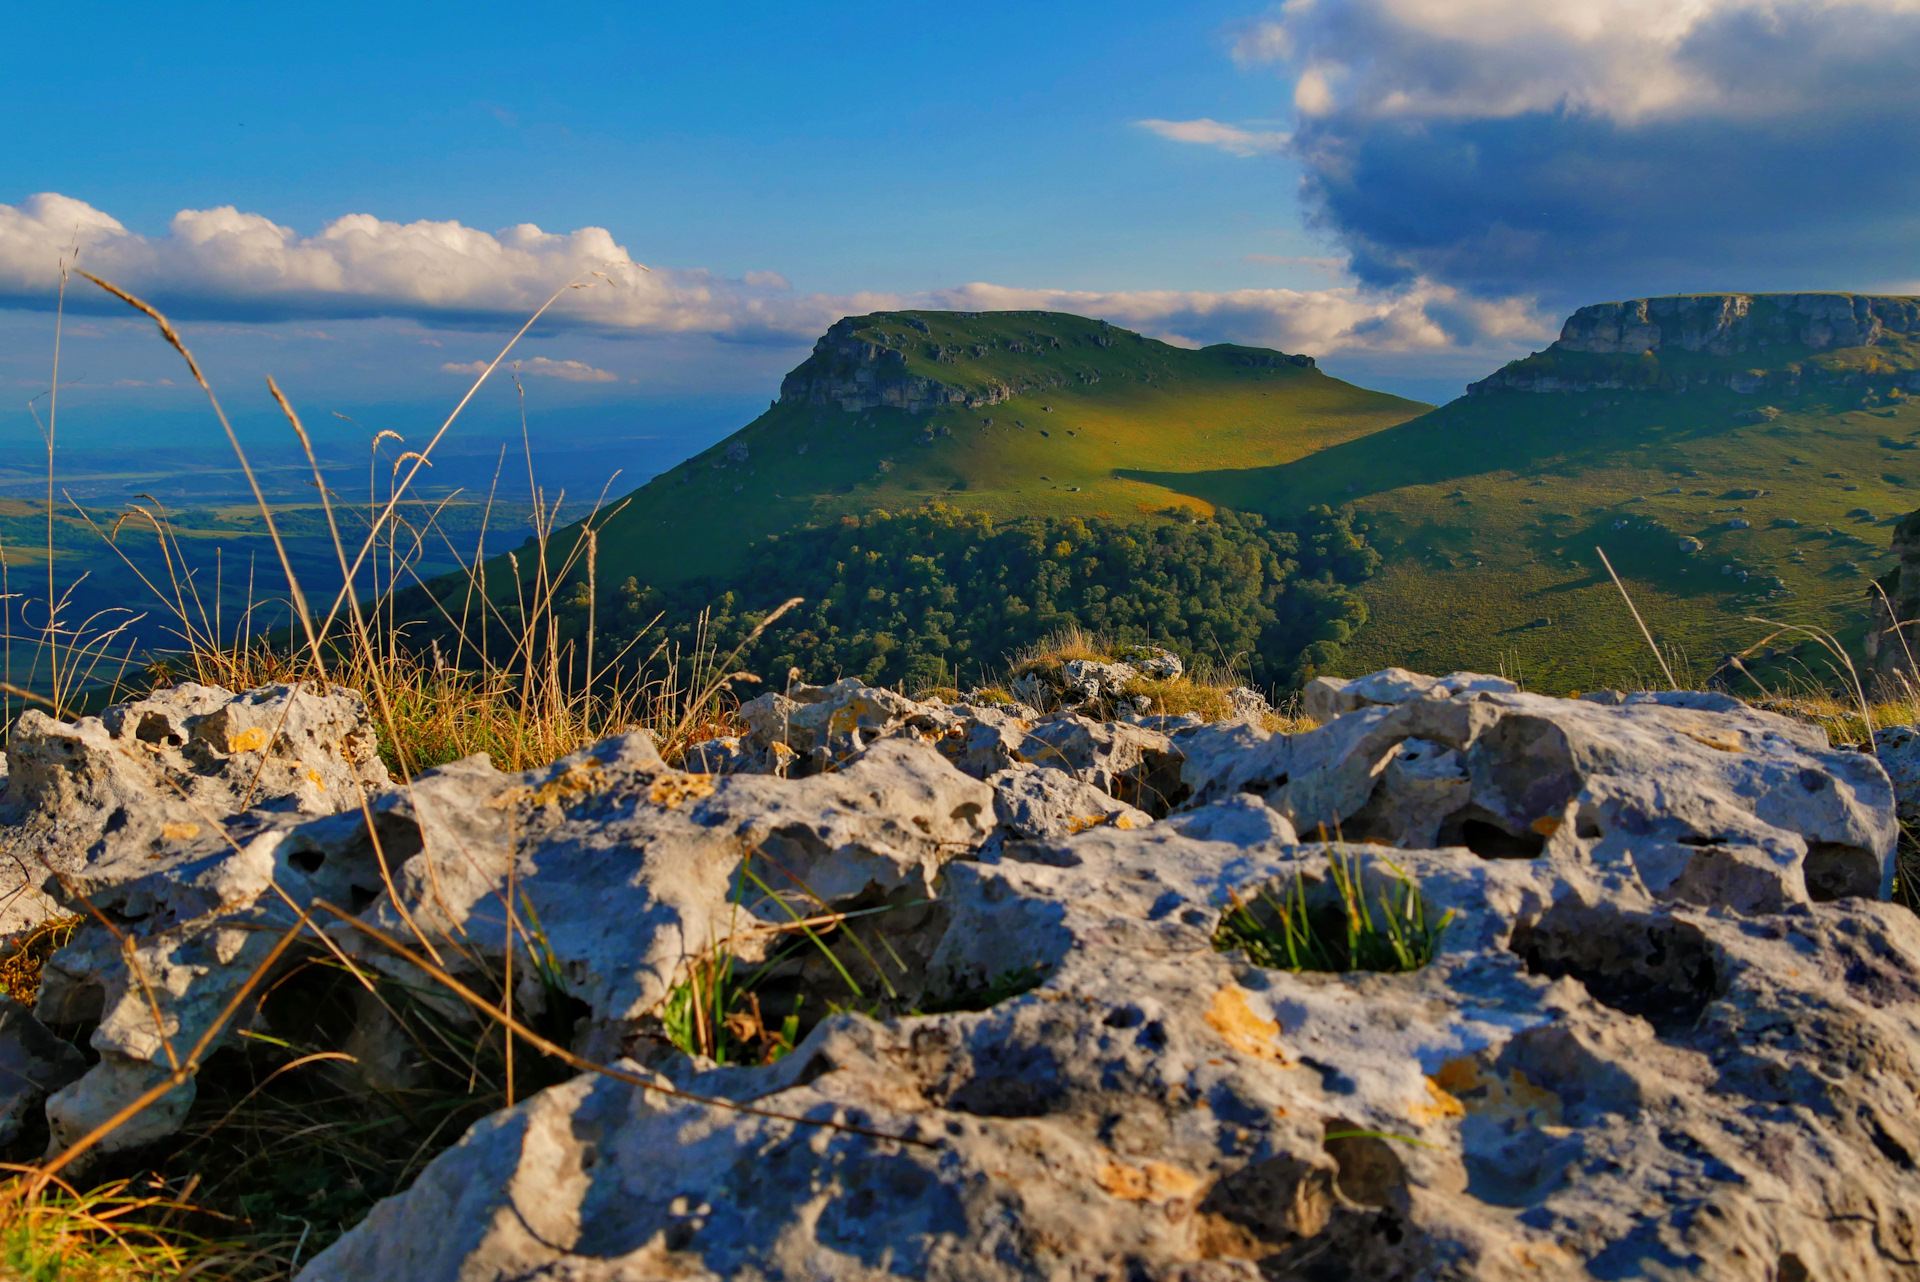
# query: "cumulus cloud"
1607,149
1421,317
1211,133
540,366
223,264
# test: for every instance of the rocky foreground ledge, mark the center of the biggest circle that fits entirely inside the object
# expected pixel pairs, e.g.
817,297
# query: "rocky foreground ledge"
1671,1028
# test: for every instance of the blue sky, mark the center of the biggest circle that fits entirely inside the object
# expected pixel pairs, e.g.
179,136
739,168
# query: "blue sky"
1412,190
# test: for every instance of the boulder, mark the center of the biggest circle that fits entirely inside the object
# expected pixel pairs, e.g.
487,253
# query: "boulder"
1039,801
1691,797
1328,697
1897,749
1248,704
97,800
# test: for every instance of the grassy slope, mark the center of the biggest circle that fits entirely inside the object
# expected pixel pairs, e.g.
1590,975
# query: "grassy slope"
1081,448
1488,511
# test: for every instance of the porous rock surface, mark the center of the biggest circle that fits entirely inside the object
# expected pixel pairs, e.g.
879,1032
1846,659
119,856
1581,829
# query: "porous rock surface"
1671,1028
93,800
1645,1058
630,866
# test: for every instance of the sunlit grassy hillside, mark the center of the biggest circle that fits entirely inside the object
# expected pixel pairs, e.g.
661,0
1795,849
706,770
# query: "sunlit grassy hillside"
1105,423
1488,512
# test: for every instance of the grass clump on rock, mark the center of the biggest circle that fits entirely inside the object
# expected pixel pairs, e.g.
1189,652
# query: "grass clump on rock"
1291,931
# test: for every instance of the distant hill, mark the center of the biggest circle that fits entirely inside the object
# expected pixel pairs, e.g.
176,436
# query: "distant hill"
1776,431
1008,413
1737,455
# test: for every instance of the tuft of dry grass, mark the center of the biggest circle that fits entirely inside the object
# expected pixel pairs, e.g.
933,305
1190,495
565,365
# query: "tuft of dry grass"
21,963
1202,690
116,1233
1049,655
1181,696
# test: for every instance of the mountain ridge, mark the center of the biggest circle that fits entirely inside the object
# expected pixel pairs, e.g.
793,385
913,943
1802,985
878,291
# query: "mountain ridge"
1747,343
1008,413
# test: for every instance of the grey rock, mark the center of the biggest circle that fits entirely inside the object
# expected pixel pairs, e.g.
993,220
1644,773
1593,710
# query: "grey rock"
630,865
1039,801
1690,797
1248,703
1085,681
1152,662
1328,697
1897,748
1585,1082
33,1062
100,799
1131,762
818,719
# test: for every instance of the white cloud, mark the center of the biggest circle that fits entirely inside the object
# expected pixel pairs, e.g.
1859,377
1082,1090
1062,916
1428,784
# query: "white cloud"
1211,133
566,371
222,264
1424,317
1625,60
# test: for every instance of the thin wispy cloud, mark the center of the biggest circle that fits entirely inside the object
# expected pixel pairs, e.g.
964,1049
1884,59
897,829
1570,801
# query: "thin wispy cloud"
539,367
1211,133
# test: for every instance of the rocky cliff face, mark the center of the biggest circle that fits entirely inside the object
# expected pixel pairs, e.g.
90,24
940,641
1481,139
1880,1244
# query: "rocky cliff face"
869,362
1769,328
852,371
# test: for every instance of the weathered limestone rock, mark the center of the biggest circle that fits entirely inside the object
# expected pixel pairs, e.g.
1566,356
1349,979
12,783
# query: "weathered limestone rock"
96,800
1132,762
1667,1031
1586,1082
1039,801
631,867
1328,697
1897,749
1693,797
812,718
817,726
1248,704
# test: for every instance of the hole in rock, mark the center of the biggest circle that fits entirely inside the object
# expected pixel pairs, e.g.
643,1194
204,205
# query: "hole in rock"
1835,870
1484,833
421,1073
1261,1209
1364,914
753,998
1370,1171
1155,785
307,861
155,728
1657,968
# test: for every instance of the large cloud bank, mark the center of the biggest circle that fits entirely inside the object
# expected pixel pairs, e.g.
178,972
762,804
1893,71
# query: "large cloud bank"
1603,147
224,264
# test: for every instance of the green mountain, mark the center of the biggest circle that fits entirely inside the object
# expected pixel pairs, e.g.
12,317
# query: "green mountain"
1008,413
1736,456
